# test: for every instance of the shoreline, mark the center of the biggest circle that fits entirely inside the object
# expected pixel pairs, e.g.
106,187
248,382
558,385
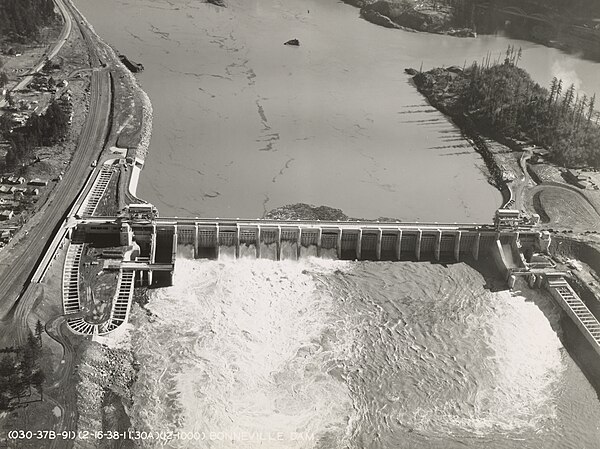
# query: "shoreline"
131,125
425,17
475,137
513,155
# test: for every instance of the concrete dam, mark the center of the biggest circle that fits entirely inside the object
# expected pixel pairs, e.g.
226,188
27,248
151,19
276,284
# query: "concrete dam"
160,239
142,249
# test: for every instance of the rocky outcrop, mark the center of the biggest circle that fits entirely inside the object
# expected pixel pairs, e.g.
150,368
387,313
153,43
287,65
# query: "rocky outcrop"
131,65
462,32
411,16
302,211
378,19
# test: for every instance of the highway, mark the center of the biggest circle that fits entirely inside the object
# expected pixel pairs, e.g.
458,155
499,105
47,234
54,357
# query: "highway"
18,262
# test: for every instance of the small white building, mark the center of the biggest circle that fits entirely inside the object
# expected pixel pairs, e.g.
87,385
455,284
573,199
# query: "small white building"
6,215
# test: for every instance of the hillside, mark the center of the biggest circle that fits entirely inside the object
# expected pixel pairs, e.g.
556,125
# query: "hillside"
22,19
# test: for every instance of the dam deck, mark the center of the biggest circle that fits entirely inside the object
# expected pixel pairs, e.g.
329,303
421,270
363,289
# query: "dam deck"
352,240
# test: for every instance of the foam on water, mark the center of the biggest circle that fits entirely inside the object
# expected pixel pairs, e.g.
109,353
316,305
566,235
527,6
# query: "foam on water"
236,348
349,355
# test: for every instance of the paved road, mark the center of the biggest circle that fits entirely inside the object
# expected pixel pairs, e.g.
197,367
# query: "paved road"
64,398
64,35
17,263
570,209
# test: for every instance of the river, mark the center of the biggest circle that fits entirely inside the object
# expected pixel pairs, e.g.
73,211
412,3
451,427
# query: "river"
335,121
336,354
328,353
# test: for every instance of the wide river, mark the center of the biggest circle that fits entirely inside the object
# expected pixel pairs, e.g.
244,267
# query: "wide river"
324,353
244,124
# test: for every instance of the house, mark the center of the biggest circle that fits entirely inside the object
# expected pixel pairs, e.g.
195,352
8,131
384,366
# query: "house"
6,214
34,192
5,189
16,180
38,182
5,235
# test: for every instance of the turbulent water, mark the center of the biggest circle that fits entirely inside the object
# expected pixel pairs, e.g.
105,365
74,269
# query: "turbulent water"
333,354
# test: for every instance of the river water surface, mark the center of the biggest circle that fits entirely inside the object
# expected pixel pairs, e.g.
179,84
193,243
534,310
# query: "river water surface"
335,354
244,124
318,353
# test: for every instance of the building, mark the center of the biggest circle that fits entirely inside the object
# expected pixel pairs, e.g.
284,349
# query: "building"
5,235
15,180
38,182
507,218
6,215
141,210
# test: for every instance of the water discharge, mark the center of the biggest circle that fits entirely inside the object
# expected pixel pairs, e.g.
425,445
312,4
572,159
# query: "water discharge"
327,353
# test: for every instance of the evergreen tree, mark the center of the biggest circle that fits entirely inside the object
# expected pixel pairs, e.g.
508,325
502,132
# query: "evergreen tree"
39,330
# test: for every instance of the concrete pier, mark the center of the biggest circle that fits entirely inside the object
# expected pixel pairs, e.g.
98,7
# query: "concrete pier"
457,239
475,246
258,241
437,245
399,245
418,244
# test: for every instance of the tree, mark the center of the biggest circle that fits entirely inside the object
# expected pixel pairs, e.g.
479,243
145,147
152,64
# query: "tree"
591,108
39,330
553,89
24,18
37,380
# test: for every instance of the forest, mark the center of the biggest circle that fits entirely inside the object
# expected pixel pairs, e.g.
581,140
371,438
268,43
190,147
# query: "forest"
503,100
39,130
21,20
20,372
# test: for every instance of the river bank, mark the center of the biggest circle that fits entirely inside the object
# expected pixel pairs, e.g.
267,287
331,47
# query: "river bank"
92,392
501,170
107,367
555,26
427,16
521,130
